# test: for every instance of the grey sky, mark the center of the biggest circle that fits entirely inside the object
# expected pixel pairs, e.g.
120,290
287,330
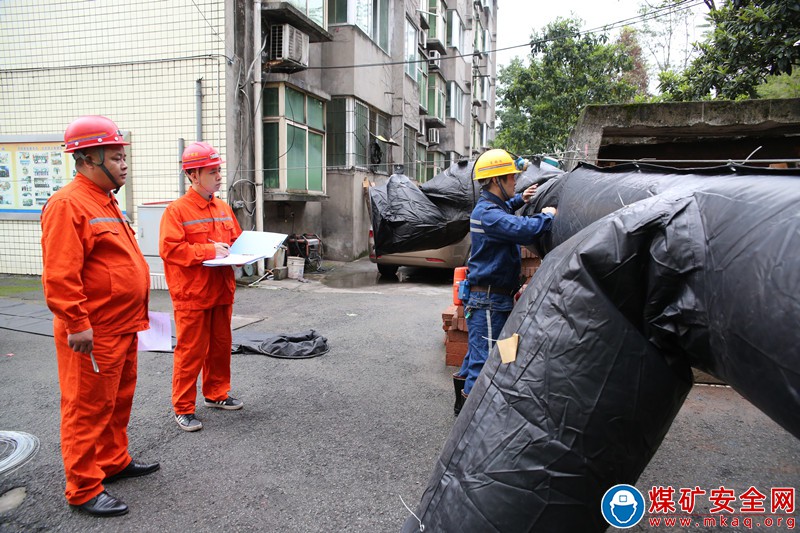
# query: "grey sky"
517,19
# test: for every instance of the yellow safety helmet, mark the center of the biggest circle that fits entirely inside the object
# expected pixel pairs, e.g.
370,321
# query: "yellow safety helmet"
494,163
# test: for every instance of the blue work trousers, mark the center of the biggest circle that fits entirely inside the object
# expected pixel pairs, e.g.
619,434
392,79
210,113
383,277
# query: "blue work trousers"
486,316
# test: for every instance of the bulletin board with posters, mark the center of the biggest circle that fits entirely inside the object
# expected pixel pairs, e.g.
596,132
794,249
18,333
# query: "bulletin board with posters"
32,169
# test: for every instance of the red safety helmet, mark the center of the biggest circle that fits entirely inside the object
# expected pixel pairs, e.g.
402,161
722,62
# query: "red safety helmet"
200,155
92,130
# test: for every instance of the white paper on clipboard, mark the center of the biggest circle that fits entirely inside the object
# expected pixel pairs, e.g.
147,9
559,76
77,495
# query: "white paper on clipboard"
249,248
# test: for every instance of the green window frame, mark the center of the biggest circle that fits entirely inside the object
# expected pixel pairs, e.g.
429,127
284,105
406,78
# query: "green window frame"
410,152
336,148
455,30
455,102
436,20
420,162
294,140
337,11
412,53
434,166
437,96
353,130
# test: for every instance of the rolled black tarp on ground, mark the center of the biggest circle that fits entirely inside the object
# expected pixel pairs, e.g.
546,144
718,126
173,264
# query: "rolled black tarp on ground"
704,271
301,345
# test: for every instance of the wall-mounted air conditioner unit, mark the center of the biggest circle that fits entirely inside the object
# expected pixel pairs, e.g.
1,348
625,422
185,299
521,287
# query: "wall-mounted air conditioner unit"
433,136
288,45
422,129
434,59
422,37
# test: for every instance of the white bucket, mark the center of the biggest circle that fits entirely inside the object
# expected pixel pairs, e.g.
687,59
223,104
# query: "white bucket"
295,265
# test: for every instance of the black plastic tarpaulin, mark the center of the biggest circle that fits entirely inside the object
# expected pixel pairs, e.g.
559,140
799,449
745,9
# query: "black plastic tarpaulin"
684,269
537,173
408,218
301,345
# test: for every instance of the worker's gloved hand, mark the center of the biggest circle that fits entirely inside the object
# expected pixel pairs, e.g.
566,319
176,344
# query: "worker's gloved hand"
549,211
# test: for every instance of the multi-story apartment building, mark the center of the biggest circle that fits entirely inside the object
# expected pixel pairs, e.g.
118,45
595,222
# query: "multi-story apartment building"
308,100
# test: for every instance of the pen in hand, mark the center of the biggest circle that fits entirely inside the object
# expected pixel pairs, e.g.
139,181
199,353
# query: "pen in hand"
223,249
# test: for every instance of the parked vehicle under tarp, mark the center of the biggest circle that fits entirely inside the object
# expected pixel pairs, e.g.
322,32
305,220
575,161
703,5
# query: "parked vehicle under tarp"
650,272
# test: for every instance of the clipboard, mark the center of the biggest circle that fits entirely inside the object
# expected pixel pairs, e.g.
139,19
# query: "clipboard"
249,248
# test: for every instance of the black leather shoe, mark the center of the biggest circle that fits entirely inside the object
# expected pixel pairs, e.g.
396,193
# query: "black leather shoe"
104,504
133,469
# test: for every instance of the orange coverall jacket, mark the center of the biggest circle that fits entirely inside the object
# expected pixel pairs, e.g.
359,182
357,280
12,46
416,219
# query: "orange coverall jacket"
94,277
189,227
94,274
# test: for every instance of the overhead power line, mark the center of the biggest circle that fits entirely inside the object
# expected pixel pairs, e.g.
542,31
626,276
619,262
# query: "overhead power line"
654,14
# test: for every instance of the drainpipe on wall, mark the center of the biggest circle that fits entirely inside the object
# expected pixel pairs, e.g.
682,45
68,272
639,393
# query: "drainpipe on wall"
181,176
198,108
258,126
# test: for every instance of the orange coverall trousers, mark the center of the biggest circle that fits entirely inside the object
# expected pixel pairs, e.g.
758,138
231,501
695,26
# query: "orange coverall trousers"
95,409
204,342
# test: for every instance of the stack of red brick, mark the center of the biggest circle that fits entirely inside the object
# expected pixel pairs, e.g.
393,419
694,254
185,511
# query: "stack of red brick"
530,262
455,335
455,325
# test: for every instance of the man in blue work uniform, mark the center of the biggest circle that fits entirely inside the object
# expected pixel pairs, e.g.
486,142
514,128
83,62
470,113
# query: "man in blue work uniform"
494,264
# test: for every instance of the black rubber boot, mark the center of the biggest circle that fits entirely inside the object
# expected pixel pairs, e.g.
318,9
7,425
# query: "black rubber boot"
458,387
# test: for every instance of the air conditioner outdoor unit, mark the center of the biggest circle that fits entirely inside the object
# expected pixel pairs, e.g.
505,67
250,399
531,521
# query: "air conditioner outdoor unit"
423,38
433,136
422,129
434,59
288,44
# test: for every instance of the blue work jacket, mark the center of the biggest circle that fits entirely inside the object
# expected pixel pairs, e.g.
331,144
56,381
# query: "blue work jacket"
496,234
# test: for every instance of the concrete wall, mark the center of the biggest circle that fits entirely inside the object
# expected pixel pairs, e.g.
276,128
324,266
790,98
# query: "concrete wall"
687,130
346,215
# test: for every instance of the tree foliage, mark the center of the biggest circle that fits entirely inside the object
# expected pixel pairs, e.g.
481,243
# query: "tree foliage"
783,86
750,40
637,76
540,103
667,33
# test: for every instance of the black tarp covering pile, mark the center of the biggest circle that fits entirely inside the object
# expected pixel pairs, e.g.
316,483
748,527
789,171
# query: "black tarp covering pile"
699,269
537,173
407,218
404,219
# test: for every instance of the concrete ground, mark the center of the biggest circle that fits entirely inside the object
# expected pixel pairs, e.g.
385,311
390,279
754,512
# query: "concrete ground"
334,443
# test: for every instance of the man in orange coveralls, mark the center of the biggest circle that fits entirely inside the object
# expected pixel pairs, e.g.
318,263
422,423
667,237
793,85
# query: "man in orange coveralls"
96,282
196,227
